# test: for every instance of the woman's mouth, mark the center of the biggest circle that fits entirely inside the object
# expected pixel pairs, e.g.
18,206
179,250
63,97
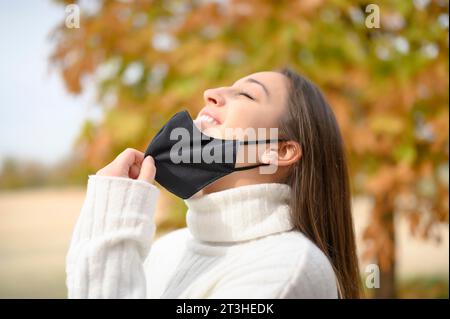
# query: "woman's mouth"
208,119
208,125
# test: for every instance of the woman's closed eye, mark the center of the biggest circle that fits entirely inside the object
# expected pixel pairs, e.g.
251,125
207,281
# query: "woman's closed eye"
246,95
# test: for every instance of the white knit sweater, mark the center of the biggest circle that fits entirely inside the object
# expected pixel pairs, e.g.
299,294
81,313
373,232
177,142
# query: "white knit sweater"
239,243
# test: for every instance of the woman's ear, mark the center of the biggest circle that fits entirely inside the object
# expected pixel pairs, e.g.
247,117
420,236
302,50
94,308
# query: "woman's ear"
286,154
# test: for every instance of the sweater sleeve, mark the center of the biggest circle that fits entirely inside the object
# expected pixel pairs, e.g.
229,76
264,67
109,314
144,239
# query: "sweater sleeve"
111,239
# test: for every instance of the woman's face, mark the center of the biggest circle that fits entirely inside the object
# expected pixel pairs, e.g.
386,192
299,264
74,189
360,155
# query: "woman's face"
255,101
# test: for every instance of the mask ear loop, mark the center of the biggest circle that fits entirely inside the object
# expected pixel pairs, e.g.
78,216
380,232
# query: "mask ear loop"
275,140
243,168
268,141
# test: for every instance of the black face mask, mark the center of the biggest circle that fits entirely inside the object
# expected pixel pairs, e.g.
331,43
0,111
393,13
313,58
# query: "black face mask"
192,171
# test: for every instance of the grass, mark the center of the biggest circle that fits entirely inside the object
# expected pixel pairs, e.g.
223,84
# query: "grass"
423,288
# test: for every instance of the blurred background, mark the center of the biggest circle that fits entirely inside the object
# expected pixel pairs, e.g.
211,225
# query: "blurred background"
73,96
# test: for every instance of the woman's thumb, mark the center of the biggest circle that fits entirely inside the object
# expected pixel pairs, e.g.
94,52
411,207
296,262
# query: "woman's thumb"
148,170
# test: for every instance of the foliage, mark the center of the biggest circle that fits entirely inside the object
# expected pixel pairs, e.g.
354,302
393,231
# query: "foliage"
18,173
14,174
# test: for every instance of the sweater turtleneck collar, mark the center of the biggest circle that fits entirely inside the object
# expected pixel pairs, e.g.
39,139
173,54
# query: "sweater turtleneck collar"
240,213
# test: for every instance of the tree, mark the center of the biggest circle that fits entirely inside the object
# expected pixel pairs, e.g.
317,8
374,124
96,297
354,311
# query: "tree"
388,86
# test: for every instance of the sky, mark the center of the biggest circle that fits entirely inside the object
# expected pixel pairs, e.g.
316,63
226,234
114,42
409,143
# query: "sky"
39,119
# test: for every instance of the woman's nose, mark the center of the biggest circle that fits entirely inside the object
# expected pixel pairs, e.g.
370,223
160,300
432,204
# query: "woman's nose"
214,97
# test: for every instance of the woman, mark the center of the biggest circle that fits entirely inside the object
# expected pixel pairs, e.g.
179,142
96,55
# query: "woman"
288,234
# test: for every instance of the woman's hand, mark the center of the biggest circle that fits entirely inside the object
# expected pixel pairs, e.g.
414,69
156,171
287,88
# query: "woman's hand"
131,164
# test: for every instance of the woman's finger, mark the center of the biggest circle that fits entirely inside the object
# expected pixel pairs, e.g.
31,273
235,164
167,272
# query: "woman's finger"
148,170
134,171
126,164
130,156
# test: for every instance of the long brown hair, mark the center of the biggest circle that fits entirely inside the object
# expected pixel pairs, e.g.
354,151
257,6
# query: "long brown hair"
321,206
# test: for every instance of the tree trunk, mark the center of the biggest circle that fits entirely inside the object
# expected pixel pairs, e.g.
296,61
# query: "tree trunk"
387,288
387,284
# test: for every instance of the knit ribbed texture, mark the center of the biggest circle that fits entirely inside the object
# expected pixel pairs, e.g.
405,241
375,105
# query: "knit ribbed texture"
239,214
111,239
239,243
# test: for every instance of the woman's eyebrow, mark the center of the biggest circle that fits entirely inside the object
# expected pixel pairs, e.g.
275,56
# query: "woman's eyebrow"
262,85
